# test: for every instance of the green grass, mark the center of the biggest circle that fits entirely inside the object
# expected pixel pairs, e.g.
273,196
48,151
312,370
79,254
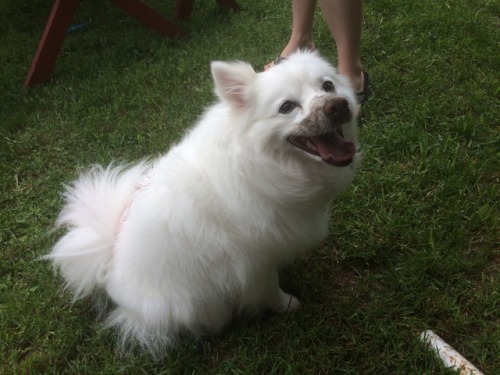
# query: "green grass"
414,241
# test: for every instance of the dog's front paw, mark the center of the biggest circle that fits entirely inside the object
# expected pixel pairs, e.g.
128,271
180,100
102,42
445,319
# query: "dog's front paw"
292,304
285,302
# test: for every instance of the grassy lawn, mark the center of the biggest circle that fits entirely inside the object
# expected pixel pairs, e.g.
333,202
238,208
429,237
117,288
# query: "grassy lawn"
414,241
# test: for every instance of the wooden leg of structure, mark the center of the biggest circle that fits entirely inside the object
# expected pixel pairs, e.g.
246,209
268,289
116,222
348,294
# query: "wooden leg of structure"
51,41
142,12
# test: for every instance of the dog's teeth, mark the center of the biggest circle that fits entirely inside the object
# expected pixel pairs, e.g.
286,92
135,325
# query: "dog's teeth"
310,145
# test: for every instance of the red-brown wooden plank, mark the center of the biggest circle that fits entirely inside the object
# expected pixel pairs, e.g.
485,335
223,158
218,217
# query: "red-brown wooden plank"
145,14
183,9
231,4
51,41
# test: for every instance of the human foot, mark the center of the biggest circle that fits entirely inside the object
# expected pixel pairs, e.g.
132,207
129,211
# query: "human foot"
363,89
360,82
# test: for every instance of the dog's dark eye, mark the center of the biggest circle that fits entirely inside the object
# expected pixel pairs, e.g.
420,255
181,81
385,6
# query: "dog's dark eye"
287,107
328,86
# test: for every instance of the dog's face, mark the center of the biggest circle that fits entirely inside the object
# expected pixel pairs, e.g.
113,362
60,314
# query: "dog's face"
300,108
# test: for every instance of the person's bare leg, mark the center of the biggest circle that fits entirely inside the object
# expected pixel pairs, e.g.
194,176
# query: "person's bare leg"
302,25
344,19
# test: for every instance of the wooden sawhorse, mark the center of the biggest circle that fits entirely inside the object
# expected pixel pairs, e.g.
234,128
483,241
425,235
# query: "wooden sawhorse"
62,14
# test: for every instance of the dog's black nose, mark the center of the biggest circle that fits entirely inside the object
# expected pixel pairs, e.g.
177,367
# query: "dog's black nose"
336,109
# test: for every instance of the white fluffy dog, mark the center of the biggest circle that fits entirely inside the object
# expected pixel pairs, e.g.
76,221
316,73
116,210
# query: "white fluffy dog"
183,242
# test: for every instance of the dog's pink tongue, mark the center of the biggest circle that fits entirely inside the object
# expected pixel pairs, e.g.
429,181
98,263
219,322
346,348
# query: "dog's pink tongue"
334,149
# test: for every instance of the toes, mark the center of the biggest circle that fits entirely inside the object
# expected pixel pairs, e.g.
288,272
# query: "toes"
284,303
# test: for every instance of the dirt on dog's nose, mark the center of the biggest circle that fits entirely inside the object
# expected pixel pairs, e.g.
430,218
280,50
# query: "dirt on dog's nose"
337,110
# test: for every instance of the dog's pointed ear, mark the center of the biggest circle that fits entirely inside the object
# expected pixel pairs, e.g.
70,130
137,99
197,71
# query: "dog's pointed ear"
232,80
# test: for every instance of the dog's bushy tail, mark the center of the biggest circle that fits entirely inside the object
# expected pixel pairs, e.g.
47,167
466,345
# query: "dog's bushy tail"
94,205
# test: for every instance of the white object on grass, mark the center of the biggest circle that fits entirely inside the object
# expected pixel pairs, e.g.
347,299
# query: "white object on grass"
450,357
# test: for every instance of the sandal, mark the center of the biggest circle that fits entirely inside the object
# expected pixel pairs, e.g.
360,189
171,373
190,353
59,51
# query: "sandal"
363,96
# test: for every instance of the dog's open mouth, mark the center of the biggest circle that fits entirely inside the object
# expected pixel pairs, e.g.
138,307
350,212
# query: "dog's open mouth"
331,147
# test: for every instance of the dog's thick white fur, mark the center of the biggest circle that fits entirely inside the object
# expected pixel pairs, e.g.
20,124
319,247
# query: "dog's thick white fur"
181,243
